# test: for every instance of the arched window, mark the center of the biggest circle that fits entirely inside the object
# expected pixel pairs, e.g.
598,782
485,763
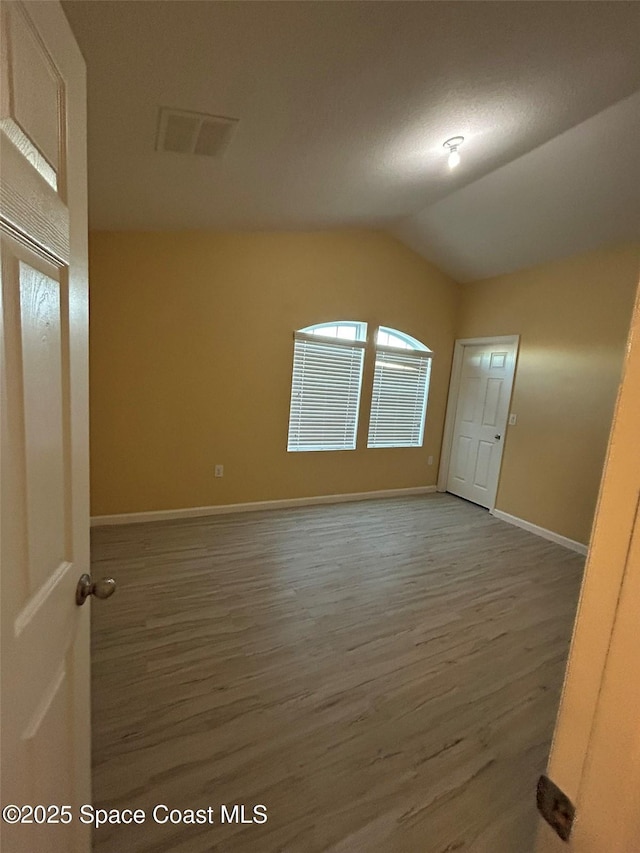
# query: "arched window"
345,330
325,388
398,340
400,390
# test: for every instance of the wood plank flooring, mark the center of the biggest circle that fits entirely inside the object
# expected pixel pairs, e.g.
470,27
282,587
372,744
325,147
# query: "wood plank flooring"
383,676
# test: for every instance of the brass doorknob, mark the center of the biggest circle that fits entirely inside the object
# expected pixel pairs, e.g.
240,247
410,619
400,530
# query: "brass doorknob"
101,589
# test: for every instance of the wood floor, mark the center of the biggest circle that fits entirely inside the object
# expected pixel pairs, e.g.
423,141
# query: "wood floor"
383,676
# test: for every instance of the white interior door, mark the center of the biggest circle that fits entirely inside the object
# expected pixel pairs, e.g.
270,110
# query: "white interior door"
483,375
44,444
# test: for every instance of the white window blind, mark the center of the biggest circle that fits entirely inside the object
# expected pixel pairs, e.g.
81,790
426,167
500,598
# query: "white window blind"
399,401
325,393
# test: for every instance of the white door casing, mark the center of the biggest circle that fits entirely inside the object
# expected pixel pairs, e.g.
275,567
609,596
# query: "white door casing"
477,412
44,505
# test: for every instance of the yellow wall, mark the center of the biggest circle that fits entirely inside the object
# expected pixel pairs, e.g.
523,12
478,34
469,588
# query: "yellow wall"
573,316
191,355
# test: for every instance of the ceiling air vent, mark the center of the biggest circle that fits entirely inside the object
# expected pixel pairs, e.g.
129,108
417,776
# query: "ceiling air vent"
183,132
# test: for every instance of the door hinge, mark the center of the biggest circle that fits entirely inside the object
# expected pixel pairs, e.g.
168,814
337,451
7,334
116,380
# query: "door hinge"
555,807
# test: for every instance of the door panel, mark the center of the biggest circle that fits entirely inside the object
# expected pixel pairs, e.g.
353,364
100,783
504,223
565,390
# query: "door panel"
481,411
461,458
44,509
36,89
42,384
483,464
468,396
492,398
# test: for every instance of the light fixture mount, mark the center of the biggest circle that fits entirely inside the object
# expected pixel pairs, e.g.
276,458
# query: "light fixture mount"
453,143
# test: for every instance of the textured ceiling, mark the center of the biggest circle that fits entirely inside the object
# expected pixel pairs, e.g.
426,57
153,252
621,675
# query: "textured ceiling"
578,191
343,110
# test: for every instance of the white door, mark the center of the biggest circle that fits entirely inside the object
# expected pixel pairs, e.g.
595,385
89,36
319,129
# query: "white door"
44,444
595,756
483,375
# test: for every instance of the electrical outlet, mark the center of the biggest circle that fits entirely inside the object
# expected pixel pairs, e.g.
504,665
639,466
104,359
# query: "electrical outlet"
513,419
218,471
430,460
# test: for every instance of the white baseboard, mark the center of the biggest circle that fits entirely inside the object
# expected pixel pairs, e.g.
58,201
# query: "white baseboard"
255,506
541,531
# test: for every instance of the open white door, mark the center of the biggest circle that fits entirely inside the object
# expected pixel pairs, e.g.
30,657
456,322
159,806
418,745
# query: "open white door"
595,757
44,498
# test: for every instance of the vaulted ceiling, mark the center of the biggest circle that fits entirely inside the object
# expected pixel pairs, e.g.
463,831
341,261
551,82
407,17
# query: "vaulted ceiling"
343,108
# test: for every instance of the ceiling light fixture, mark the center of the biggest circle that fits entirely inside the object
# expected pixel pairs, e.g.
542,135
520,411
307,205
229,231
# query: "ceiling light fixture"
452,145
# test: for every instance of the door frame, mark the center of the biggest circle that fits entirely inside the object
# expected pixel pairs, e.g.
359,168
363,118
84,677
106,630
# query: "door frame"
452,402
594,757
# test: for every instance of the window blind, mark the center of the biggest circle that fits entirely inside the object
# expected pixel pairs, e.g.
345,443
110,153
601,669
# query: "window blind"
325,393
399,400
